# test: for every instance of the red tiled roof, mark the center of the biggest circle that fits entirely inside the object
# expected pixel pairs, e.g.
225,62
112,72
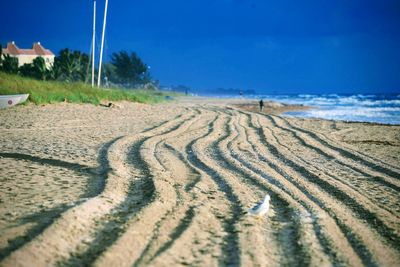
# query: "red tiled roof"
12,49
37,49
26,52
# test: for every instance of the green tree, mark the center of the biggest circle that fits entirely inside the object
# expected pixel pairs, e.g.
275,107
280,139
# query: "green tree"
129,68
35,70
9,64
26,70
40,70
109,72
70,65
55,72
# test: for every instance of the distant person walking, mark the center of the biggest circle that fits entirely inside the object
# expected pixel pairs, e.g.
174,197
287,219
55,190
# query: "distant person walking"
261,103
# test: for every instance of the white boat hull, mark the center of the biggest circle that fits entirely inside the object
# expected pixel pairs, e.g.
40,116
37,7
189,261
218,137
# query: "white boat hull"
12,100
24,97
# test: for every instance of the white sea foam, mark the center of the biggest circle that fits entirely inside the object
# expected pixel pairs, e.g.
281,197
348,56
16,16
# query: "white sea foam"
328,101
366,108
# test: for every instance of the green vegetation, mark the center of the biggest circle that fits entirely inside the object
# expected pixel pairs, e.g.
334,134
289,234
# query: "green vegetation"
66,79
43,92
128,69
35,70
125,69
9,64
70,66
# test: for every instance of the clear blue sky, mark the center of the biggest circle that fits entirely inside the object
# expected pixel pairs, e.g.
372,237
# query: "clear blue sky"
281,46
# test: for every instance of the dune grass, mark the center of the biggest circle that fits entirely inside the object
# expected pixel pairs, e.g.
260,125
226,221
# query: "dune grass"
45,92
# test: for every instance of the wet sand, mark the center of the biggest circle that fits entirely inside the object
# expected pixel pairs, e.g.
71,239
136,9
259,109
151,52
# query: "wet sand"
170,185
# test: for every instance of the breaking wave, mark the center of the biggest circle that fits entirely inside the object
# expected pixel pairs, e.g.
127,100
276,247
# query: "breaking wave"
364,108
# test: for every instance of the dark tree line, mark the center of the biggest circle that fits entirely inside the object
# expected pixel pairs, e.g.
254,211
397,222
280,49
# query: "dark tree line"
124,69
68,66
128,69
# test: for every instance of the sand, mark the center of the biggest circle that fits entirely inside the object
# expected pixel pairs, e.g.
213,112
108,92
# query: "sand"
170,185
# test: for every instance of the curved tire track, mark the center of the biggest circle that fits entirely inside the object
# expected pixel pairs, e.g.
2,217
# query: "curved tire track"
177,194
77,225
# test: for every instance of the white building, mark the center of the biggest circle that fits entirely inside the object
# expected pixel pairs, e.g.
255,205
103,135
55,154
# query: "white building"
28,55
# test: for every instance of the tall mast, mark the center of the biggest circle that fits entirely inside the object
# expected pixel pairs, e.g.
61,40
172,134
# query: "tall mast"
93,40
102,44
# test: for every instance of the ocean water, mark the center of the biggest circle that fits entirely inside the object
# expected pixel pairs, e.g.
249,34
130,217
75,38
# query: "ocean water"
378,108
362,108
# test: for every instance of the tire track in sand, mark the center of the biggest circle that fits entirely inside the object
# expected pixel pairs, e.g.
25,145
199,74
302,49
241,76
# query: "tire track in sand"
170,228
141,195
266,154
355,229
97,179
176,194
357,183
205,237
365,210
312,222
284,224
153,219
197,157
77,226
351,154
308,142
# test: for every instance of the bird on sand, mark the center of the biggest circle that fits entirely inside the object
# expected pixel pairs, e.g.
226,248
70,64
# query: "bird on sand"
262,208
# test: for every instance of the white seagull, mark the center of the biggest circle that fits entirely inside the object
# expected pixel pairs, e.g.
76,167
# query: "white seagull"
261,209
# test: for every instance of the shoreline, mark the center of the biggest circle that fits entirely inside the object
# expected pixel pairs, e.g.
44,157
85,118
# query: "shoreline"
271,107
278,108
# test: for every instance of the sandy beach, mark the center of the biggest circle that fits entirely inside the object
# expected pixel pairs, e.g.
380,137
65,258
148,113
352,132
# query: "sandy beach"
171,185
